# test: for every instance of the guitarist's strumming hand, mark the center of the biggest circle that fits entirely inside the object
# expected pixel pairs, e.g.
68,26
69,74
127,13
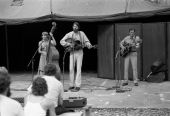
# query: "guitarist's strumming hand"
70,45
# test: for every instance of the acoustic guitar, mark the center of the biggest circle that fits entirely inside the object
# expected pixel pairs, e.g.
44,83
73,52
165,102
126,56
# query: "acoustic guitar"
124,52
76,45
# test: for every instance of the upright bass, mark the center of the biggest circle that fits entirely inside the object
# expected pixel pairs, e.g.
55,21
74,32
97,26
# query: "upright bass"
52,52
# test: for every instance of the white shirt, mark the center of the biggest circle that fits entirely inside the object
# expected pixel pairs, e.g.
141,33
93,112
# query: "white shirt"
34,109
135,42
10,107
55,89
81,36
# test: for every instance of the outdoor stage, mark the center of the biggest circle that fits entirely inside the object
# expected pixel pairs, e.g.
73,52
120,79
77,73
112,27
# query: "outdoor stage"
143,100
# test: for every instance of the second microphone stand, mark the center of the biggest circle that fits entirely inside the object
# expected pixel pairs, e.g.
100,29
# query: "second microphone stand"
120,89
32,63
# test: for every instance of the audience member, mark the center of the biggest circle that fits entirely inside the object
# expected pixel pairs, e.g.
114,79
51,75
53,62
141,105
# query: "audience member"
8,106
55,88
36,104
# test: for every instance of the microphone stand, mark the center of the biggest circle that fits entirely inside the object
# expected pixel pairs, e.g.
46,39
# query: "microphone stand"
119,89
65,52
32,62
118,86
73,53
117,78
69,49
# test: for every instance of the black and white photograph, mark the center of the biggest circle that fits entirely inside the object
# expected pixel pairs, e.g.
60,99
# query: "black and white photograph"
85,57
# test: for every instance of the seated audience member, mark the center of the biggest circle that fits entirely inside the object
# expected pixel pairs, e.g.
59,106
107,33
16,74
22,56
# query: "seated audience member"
55,88
3,70
36,104
8,106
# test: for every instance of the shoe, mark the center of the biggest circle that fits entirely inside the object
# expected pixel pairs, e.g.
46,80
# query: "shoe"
136,84
124,84
76,89
71,88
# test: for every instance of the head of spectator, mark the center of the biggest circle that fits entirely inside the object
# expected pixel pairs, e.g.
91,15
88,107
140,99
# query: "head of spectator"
51,70
39,86
3,70
5,81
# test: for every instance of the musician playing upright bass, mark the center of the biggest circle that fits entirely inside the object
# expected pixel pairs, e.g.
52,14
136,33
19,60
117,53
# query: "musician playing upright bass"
48,51
43,50
76,54
133,43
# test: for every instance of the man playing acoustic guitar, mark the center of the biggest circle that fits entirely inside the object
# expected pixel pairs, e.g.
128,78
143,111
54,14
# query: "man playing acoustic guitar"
129,46
76,40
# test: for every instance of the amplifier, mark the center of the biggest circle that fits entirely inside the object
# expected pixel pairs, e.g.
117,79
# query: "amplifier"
75,102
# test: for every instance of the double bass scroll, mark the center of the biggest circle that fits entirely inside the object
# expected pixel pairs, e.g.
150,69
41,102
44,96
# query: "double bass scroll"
52,52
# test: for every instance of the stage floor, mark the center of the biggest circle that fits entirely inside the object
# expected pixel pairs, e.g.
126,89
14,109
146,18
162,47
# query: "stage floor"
99,92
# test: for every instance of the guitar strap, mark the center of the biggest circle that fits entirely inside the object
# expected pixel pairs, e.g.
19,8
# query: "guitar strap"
72,38
81,41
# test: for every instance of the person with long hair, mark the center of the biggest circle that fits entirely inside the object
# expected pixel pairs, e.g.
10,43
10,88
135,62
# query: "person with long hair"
55,88
36,104
48,51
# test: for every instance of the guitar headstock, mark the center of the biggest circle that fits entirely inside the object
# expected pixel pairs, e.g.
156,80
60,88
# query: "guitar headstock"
94,46
53,27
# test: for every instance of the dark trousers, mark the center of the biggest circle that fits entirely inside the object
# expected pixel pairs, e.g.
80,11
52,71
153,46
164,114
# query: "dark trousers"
60,110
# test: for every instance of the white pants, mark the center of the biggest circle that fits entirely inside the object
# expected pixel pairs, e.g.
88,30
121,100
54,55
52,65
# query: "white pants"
133,58
76,59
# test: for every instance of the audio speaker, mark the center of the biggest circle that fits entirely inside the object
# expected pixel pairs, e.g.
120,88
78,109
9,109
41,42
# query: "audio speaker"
75,102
